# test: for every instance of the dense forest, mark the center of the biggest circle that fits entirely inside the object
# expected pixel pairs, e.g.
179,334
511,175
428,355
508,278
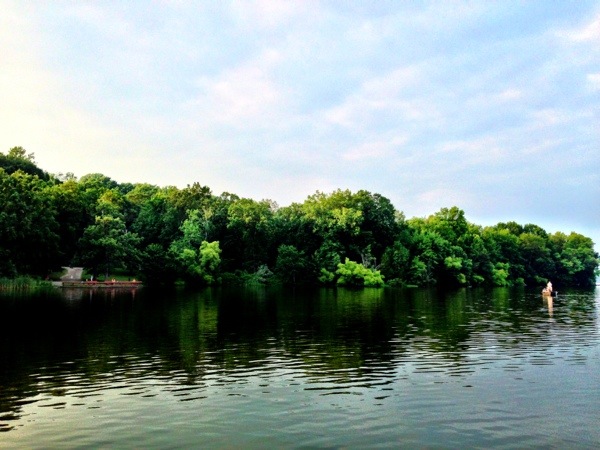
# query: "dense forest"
166,234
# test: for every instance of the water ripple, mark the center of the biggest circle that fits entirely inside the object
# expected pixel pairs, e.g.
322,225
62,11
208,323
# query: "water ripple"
481,382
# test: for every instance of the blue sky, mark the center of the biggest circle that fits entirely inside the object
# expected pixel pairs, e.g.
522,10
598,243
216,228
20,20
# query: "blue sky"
490,106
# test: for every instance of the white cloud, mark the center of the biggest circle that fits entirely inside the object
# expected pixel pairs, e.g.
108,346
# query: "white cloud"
432,200
588,33
544,146
507,95
393,83
103,19
593,81
549,117
395,94
270,14
485,150
369,151
244,96
240,94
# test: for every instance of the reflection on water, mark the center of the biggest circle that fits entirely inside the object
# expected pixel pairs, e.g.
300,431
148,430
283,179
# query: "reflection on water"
549,304
327,367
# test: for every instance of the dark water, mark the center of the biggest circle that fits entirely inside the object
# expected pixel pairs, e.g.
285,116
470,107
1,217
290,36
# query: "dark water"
272,368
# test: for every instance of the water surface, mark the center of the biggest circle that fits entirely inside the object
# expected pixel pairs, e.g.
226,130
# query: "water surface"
268,367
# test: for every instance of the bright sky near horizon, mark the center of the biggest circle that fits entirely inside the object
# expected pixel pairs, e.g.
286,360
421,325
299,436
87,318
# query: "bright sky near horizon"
493,107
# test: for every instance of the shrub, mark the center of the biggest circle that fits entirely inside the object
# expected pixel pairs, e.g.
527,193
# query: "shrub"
351,273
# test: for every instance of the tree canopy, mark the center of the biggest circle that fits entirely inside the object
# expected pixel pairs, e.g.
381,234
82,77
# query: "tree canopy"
340,238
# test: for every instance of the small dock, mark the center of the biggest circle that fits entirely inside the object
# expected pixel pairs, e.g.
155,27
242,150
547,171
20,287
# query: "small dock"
100,284
72,279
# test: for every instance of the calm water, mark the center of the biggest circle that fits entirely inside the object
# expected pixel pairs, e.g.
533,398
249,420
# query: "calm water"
257,368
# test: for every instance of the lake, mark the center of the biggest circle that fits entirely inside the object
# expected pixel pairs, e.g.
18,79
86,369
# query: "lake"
305,368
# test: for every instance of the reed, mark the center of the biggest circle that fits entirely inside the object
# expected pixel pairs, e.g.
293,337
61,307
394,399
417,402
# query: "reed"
23,283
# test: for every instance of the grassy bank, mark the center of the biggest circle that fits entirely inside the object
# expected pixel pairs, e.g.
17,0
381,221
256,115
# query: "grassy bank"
23,283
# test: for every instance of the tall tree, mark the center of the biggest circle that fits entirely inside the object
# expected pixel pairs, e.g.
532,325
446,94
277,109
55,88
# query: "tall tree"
28,227
251,222
106,245
17,158
292,265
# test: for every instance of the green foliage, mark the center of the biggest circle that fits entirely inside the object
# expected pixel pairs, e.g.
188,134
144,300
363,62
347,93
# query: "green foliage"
158,266
327,258
167,233
72,217
396,263
326,277
158,220
17,159
356,222
575,259
292,264
210,259
501,274
250,223
23,283
200,264
351,273
262,275
29,239
106,244
454,267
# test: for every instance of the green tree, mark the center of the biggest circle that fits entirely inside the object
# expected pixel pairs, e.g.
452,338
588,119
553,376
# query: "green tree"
395,264
251,223
141,193
335,218
194,196
500,274
106,245
576,260
158,266
291,227
29,239
201,265
17,159
158,220
380,226
195,229
503,247
72,216
91,187
429,250
478,255
449,223
210,259
539,266
326,260
362,224
292,264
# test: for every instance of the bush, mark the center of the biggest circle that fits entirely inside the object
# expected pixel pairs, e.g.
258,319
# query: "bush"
351,273
263,275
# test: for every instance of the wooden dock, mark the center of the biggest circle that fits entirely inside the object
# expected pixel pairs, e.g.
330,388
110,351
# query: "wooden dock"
114,284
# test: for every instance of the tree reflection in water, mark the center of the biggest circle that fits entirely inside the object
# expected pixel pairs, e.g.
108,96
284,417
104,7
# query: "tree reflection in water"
146,342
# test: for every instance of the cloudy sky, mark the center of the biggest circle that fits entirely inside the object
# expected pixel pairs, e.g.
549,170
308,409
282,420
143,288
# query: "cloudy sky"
490,106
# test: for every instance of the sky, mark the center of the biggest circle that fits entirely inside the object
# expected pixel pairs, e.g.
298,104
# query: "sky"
493,107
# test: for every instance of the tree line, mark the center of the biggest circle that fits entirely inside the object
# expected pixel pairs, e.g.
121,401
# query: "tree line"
165,234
